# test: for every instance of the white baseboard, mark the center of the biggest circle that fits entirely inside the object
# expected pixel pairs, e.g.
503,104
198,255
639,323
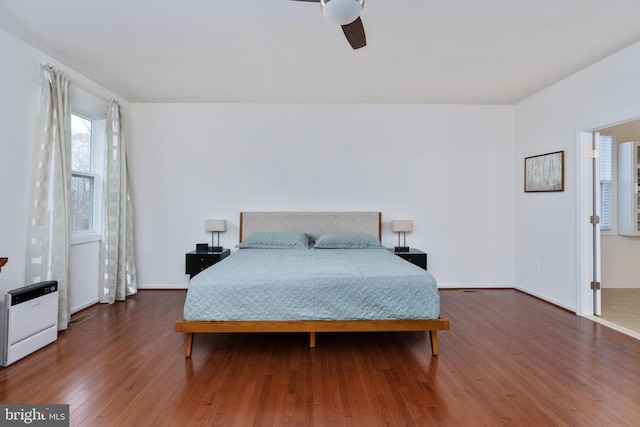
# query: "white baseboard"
545,298
83,306
504,286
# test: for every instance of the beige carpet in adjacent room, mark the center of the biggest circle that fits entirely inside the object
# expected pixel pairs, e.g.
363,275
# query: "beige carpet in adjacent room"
622,307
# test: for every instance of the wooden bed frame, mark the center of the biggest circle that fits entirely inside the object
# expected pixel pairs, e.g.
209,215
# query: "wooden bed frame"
314,223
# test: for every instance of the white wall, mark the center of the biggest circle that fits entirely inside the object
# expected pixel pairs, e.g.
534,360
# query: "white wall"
454,170
548,224
448,168
84,267
20,89
19,85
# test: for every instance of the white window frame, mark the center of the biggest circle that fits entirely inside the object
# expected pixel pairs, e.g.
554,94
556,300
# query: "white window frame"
93,108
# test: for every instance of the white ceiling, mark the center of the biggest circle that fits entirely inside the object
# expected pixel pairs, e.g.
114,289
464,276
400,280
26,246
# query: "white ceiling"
419,51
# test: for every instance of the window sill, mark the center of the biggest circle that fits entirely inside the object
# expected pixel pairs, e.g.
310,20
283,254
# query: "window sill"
82,238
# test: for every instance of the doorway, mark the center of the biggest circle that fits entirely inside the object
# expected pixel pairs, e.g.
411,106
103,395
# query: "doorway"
613,263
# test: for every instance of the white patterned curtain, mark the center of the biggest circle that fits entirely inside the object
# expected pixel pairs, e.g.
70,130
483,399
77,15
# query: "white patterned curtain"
48,244
117,271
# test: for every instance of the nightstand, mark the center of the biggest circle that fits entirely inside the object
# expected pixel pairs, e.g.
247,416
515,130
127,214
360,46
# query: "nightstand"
198,261
414,256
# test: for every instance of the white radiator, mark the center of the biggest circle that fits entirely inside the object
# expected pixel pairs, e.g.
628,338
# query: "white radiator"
29,320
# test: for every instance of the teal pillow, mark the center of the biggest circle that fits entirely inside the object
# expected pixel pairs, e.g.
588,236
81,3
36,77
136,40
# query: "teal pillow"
275,240
348,241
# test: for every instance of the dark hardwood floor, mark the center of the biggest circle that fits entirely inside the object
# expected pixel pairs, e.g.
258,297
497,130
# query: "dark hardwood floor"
509,359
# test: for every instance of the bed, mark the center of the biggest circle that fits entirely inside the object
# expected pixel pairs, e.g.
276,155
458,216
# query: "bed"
340,279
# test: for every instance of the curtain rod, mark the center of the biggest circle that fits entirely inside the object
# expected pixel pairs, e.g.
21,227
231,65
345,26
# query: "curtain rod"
51,67
44,64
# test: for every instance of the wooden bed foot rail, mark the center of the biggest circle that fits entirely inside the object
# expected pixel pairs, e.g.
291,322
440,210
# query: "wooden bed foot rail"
190,327
433,336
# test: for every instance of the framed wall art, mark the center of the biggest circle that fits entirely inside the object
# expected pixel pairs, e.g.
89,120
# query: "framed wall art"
544,172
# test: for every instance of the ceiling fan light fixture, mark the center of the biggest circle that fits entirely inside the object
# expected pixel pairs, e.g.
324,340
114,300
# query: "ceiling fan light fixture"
341,12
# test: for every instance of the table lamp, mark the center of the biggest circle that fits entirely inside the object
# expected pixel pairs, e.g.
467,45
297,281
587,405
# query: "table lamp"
402,226
215,226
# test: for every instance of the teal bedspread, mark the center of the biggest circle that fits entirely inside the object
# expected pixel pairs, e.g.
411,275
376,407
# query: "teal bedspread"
312,284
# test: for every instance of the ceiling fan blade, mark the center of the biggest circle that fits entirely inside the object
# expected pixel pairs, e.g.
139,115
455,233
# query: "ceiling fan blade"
355,34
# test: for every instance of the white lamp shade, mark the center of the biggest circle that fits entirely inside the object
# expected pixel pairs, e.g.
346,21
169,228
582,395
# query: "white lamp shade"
215,225
401,225
341,12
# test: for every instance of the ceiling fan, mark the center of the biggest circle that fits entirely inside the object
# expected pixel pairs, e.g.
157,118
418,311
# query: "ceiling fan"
345,13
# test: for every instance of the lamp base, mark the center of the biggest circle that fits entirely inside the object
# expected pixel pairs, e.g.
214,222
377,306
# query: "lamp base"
215,248
401,249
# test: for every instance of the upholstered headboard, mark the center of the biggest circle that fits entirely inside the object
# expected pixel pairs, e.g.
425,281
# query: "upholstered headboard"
314,223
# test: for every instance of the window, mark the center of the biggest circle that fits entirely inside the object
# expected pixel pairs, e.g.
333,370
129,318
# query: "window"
83,178
88,142
606,182
85,206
